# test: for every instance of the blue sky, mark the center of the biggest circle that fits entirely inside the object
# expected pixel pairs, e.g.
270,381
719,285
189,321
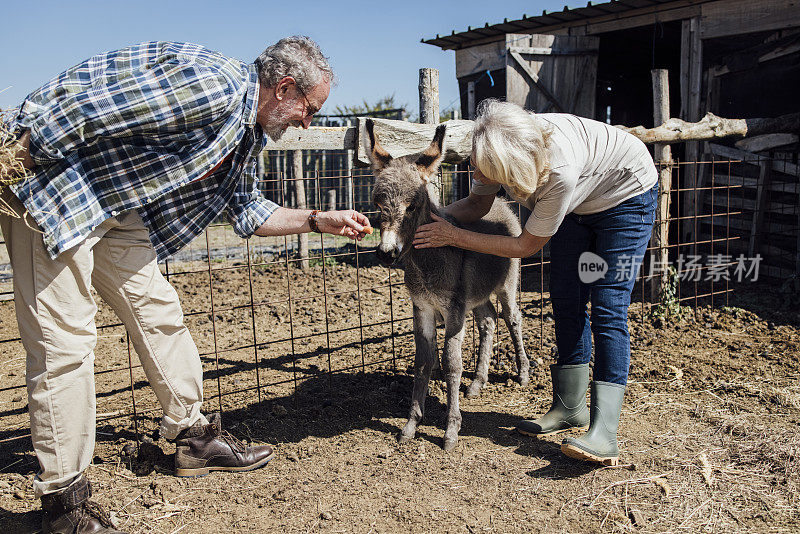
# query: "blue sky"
374,47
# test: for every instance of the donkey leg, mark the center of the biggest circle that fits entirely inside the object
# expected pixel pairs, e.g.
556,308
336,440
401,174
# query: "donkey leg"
486,319
424,362
513,318
454,337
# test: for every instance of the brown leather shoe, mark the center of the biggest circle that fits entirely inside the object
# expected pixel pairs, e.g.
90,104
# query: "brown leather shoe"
71,512
205,448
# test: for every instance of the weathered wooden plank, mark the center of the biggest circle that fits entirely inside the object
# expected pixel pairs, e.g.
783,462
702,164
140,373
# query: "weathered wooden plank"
761,204
668,14
766,142
533,78
772,54
744,182
748,157
315,138
401,138
737,203
734,17
480,58
736,247
541,51
741,226
552,81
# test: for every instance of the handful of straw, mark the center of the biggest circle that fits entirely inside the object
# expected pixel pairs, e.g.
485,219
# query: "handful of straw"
11,169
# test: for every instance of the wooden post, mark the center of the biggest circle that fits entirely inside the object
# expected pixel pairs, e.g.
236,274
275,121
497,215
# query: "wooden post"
428,96
331,199
691,82
429,114
287,190
471,100
348,188
762,188
300,199
663,155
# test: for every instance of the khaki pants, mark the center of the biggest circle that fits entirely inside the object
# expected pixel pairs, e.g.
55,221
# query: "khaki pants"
55,313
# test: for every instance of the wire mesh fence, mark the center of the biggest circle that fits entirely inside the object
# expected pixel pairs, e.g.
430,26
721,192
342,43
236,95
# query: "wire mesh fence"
271,325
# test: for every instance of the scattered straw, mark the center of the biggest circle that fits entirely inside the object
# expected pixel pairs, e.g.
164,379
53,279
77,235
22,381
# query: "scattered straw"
707,470
664,485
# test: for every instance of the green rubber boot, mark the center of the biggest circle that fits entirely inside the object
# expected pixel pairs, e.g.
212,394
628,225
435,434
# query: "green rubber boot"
569,403
599,444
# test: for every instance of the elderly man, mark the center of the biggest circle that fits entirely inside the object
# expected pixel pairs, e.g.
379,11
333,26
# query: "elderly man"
133,153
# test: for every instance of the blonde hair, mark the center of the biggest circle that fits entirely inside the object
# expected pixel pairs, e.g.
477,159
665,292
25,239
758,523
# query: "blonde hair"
511,146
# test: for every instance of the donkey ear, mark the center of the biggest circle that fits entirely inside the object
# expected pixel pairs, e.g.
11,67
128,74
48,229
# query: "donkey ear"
377,154
429,161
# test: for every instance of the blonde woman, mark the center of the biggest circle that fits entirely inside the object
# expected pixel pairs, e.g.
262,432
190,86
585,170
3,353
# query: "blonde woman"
591,188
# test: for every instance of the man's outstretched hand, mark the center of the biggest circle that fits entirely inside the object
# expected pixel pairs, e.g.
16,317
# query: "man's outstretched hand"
348,223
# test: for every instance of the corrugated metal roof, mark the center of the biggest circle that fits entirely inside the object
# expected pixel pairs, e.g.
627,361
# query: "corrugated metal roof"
526,24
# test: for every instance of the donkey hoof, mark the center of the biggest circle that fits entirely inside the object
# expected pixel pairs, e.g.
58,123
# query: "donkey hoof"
523,380
402,438
473,391
449,444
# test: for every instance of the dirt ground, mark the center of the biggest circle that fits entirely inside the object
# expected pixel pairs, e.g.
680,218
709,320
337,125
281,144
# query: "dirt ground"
709,431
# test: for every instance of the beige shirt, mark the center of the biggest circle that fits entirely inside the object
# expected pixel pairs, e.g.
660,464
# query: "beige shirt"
595,167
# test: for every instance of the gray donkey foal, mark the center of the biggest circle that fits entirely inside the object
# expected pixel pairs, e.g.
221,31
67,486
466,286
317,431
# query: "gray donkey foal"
444,283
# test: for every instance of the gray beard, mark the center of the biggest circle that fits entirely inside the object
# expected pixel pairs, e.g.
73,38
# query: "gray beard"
274,133
277,124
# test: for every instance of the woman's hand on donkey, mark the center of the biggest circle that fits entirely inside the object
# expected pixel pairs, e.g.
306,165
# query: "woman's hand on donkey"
439,233
348,223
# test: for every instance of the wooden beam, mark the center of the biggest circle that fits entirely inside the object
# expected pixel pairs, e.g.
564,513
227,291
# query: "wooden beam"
401,138
539,51
747,157
595,28
772,54
744,182
735,17
315,138
534,79
760,143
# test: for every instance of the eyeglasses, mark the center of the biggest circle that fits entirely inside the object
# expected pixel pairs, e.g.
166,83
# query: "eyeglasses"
310,110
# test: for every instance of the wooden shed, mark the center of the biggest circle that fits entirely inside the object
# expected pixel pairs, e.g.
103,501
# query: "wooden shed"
734,58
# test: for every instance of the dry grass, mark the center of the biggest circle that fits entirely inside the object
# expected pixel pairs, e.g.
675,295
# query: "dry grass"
11,169
731,470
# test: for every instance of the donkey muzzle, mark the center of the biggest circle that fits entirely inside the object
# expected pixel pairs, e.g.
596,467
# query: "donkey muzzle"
388,257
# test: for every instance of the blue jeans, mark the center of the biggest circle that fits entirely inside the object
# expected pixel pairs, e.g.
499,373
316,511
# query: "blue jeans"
619,236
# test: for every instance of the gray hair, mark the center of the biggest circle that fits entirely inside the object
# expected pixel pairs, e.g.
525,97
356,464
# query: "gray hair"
296,56
510,146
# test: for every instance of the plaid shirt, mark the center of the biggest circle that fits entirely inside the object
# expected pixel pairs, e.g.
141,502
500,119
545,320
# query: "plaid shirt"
138,128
